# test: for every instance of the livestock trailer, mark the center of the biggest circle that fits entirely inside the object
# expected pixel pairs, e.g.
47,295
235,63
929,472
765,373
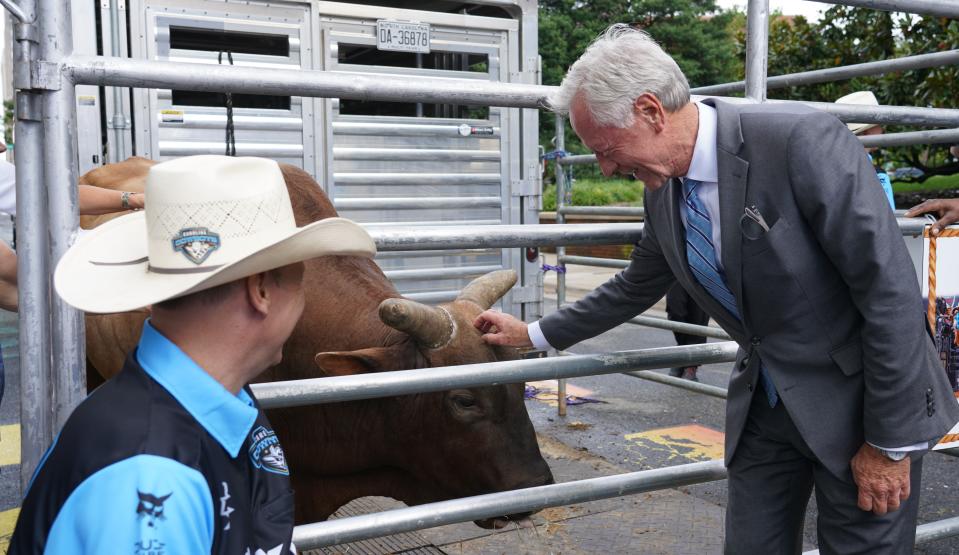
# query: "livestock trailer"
382,164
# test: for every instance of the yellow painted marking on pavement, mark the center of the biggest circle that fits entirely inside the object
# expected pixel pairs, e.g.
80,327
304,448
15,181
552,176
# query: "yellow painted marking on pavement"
9,444
692,442
8,519
549,395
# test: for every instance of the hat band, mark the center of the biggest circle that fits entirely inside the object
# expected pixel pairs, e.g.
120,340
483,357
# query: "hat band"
158,269
202,270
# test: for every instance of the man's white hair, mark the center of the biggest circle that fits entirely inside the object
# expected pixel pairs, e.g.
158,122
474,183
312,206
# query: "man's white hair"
619,66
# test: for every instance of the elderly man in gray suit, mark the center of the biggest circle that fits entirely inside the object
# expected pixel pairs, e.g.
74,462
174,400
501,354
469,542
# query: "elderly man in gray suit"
771,218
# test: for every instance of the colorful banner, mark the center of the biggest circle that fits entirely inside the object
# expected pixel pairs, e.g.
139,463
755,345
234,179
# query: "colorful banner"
940,288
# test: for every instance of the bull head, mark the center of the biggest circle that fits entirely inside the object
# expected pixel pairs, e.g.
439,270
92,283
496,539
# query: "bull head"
488,424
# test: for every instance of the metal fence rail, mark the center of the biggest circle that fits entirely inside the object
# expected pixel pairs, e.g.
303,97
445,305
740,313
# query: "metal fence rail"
905,63
313,391
122,72
345,530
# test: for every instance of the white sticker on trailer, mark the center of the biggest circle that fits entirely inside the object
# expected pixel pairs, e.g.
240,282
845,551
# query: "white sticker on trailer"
402,36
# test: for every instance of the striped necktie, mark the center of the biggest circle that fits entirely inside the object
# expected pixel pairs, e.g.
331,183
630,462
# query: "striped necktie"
701,256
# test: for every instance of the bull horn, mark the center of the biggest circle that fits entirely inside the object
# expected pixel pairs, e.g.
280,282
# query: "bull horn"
430,327
486,290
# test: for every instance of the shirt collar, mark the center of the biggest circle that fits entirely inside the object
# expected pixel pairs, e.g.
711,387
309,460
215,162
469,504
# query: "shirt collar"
225,416
704,165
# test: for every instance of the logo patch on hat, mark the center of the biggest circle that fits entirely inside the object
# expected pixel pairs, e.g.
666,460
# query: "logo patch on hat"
196,243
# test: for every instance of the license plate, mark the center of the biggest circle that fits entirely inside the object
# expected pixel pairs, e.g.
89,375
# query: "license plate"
402,36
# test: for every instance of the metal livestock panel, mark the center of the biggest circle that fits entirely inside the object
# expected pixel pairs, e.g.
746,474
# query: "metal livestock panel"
416,164
434,164
255,34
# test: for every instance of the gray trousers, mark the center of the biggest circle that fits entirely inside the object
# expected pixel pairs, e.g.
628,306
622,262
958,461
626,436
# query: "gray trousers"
770,479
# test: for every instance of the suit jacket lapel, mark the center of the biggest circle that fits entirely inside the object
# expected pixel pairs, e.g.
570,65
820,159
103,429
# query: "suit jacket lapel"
732,204
733,172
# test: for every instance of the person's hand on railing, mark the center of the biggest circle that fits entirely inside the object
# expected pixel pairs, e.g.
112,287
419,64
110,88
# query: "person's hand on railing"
502,329
946,209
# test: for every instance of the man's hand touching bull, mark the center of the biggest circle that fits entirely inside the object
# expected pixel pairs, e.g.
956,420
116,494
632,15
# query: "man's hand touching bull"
502,329
947,210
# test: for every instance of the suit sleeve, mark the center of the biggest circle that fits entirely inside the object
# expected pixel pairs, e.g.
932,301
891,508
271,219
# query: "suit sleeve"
145,504
838,193
628,293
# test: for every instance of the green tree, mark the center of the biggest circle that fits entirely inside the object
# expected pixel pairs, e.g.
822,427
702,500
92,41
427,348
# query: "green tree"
847,36
695,32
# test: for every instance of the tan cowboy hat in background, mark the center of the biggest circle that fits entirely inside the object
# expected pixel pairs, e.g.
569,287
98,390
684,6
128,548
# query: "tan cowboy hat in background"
209,220
864,98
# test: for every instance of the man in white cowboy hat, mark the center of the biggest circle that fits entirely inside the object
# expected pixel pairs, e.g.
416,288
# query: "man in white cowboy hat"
174,455
867,98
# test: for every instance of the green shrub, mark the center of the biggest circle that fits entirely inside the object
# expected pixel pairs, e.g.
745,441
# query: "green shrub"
600,192
934,183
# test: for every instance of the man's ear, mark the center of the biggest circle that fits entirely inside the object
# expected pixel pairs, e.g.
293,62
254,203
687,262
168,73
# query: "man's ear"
257,293
648,109
363,361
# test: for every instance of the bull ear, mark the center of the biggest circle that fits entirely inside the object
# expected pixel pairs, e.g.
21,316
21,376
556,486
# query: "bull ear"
363,361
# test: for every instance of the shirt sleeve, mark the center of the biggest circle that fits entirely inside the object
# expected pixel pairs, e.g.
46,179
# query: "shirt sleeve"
144,504
536,337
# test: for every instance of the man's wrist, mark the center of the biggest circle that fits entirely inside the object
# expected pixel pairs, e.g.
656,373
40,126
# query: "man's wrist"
892,455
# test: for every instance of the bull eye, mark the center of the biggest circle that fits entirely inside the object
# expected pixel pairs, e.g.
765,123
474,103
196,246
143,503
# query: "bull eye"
464,401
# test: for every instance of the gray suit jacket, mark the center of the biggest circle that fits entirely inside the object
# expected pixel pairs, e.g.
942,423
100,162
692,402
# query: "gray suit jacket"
829,297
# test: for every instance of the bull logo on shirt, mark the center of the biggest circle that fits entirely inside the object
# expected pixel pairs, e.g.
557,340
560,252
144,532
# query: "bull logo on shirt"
266,453
151,507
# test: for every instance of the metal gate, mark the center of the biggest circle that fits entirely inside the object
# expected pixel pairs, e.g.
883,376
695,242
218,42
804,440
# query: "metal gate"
388,164
420,164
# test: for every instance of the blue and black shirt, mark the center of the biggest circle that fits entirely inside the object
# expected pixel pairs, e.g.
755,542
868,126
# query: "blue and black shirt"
160,460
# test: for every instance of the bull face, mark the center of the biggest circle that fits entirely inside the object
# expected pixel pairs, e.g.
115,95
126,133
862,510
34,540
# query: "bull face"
487,424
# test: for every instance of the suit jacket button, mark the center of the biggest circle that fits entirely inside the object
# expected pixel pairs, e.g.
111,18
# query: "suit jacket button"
744,362
930,411
749,387
755,340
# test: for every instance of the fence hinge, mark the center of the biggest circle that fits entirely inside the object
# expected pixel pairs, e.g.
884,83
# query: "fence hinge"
28,106
45,76
526,294
525,188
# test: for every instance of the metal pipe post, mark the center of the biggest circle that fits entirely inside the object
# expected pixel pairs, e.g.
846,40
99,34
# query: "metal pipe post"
33,278
118,121
33,275
757,49
345,530
60,176
561,186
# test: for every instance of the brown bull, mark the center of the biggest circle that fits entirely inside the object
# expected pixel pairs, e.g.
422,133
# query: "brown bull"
416,448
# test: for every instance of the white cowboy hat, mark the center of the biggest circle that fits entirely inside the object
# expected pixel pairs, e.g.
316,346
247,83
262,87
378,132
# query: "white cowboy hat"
209,220
864,98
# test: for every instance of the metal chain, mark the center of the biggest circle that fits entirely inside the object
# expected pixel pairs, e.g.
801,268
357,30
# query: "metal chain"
230,135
